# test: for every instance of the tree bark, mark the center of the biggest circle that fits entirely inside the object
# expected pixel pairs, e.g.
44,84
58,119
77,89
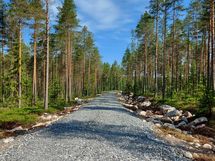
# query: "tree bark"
164,54
35,67
20,67
156,54
212,46
47,57
173,51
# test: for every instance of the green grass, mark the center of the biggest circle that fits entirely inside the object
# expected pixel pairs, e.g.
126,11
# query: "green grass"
24,116
28,115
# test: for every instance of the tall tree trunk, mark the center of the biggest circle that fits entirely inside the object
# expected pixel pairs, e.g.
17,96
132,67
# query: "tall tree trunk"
47,57
208,64
173,50
212,45
89,71
156,53
145,65
2,66
66,69
20,67
164,55
69,67
35,67
83,79
188,57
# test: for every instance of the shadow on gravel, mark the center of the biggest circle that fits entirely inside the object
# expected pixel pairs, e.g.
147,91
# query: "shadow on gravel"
131,138
121,110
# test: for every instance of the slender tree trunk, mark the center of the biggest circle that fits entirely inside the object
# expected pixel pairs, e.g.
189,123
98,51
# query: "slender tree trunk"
2,80
208,64
156,55
188,57
47,57
83,80
66,69
173,50
164,55
212,45
145,65
89,71
35,67
69,63
20,67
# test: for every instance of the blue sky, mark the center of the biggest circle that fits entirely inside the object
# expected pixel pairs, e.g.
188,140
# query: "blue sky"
111,22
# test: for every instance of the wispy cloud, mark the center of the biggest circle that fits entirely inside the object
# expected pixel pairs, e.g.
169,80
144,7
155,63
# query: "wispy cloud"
100,14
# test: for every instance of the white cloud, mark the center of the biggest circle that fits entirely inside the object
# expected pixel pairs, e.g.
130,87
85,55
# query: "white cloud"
53,7
101,14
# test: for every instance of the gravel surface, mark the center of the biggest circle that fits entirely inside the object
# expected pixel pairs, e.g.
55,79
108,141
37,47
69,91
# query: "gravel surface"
101,130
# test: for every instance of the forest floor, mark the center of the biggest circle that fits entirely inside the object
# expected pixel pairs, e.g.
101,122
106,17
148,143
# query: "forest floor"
100,130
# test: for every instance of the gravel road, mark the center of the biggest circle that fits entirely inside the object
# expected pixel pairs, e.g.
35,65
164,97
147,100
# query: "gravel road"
101,130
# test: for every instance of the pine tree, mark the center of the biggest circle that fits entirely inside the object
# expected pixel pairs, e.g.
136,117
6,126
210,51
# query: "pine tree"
3,43
67,22
37,14
18,13
47,58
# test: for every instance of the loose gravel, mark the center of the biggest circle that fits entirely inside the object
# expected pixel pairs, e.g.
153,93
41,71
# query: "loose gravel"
100,131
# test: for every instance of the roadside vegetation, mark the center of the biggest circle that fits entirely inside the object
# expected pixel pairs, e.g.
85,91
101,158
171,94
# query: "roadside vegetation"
45,70
171,55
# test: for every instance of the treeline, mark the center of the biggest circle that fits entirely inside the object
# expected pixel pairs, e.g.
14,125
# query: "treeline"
60,63
172,52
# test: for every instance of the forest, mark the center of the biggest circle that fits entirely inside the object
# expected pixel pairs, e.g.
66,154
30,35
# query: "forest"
170,57
60,62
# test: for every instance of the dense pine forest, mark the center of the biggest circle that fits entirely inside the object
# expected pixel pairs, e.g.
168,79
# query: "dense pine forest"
171,55
60,63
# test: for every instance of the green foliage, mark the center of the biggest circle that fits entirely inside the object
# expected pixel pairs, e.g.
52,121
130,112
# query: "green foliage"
207,102
23,116
55,90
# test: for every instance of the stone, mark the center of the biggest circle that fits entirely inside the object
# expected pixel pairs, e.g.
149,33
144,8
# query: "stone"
207,146
195,155
169,136
176,118
197,145
8,140
183,118
149,113
46,117
200,126
141,113
158,125
41,124
187,114
166,108
183,123
173,113
146,104
188,155
165,120
19,128
129,106
156,122
141,98
171,126
78,100
198,121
